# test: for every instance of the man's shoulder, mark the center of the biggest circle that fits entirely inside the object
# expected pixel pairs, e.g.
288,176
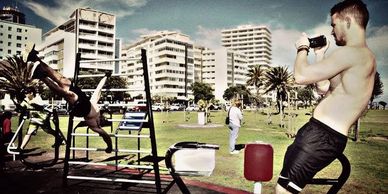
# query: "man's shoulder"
354,55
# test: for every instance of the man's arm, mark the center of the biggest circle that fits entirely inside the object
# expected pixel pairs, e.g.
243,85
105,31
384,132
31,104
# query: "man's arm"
322,86
323,70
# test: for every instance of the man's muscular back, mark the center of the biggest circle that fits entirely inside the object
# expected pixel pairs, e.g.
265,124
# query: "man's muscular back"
350,90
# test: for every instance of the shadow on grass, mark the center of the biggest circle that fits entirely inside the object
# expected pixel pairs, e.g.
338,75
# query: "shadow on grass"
239,146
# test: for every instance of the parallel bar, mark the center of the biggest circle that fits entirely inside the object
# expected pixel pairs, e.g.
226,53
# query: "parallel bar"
120,165
110,179
78,119
128,128
110,60
114,150
107,90
103,75
128,120
11,143
110,134
119,120
116,105
135,114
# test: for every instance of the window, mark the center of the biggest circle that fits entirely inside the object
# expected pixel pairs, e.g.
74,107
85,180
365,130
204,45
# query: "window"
9,28
9,36
9,44
18,38
19,45
9,51
19,30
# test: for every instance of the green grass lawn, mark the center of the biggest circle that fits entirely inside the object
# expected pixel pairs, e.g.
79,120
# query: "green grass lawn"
368,156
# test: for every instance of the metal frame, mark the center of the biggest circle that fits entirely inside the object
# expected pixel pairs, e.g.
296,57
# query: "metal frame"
169,164
340,181
57,141
149,124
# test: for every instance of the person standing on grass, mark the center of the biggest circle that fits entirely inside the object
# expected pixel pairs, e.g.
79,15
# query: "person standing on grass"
346,77
235,118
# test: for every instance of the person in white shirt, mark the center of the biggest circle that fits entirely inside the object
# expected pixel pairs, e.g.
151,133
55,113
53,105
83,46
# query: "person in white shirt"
235,118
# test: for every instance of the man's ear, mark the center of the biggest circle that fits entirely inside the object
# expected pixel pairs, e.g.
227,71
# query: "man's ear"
348,20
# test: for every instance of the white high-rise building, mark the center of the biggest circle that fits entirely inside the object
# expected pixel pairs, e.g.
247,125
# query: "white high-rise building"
93,35
58,51
14,34
198,62
254,41
223,68
170,65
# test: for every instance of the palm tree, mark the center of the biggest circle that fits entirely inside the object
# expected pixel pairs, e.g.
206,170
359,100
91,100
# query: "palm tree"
256,78
378,88
14,77
278,79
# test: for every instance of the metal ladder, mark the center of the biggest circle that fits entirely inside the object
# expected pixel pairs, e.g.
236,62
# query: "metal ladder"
147,122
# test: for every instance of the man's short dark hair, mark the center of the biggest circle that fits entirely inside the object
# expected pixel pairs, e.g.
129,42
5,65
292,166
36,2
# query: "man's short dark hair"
30,90
355,8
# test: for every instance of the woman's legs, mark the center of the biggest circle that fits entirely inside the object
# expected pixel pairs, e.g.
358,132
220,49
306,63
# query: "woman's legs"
27,137
233,137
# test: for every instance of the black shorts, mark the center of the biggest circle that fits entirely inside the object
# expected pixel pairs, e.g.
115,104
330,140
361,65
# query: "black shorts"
82,107
316,145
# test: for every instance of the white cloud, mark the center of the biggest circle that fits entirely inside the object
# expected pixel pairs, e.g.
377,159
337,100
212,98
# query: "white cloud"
377,42
61,11
283,48
143,31
208,37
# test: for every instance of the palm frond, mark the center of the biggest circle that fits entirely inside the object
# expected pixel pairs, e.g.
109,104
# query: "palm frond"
14,75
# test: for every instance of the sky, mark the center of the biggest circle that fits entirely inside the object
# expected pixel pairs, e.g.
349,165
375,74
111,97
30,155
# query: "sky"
203,21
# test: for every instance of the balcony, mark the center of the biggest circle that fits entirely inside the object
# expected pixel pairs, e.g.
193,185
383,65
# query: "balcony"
86,45
106,29
87,26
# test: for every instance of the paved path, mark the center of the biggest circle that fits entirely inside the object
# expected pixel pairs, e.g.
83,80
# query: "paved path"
17,179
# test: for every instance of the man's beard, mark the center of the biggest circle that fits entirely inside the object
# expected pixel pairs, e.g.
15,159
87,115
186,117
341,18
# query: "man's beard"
339,42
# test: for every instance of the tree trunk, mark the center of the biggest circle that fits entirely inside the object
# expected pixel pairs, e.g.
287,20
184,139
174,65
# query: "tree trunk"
357,129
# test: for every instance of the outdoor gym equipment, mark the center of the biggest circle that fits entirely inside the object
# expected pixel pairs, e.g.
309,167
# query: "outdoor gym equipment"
131,121
24,157
191,159
258,167
258,164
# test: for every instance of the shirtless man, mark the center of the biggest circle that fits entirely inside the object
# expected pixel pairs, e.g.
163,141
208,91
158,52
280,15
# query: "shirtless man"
80,105
346,77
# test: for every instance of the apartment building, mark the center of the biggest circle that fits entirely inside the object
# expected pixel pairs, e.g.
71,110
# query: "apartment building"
11,14
198,62
14,34
254,41
223,68
89,32
170,61
58,51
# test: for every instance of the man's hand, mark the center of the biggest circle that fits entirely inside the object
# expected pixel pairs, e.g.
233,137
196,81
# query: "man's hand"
302,42
320,51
